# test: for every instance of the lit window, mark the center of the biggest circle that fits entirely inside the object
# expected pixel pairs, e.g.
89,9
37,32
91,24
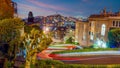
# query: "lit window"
103,29
91,36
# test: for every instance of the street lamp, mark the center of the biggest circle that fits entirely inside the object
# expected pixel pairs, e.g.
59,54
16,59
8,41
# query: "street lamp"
46,29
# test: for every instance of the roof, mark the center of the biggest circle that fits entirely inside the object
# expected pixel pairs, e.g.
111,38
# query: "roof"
104,15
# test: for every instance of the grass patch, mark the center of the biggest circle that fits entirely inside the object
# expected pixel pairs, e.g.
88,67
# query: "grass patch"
46,63
87,50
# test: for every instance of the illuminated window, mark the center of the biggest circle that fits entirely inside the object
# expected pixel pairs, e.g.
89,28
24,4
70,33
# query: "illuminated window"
103,29
91,36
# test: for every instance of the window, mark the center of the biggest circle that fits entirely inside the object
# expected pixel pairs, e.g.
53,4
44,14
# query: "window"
103,28
91,36
90,24
113,23
116,23
119,23
89,32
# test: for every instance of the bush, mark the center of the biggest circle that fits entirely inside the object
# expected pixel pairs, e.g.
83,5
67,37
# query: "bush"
46,63
69,40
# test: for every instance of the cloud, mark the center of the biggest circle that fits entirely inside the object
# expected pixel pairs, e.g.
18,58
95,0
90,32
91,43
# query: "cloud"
22,15
49,6
30,8
53,7
24,9
41,9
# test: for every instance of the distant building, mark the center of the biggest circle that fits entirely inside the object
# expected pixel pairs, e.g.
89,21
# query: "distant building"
30,17
96,28
59,33
81,34
56,24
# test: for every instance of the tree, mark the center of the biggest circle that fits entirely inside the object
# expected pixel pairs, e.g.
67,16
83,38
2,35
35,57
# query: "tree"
28,28
6,9
10,33
34,42
114,37
10,29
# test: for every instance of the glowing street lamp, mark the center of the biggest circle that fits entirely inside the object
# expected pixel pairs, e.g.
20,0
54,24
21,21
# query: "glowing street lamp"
46,29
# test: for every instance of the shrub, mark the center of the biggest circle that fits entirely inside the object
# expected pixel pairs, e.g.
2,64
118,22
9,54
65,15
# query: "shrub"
69,40
46,63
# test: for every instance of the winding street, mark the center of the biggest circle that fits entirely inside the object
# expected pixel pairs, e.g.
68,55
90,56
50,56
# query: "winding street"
100,57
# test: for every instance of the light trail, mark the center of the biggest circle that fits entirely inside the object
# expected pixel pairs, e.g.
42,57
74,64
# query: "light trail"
91,53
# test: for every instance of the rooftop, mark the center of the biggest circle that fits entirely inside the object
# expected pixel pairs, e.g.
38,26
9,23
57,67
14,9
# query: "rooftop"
104,13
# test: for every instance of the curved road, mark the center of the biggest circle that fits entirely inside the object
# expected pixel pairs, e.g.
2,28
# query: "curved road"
83,59
101,59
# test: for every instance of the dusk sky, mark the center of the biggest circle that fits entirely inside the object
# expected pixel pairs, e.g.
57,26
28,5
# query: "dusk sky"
82,8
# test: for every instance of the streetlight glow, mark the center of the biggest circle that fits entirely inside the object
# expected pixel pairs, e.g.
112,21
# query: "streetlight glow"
46,29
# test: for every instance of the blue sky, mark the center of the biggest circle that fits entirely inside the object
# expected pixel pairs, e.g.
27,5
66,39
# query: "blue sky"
82,8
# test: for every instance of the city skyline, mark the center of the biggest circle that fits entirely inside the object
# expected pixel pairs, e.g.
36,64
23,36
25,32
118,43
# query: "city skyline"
82,8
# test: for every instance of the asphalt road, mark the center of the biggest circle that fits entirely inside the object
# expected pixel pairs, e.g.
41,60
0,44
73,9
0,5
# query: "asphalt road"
101,59
82,59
